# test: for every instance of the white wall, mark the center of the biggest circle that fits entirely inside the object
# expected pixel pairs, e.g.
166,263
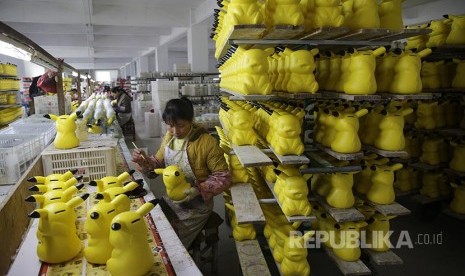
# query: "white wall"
181,57
433,10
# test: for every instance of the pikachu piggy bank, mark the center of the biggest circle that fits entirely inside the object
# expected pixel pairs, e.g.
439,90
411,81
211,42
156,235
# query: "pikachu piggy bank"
288,12
241,131
111,181
97,226
459,79
244,12
340,195
58,240
458,160
377,229
407,79
294,196
425,115
440,31
384,72
45,180
457,29
55,185
328,13
417,42
54,196
391,135
390,15
287,137
346,249
301,67
361,72
458,203
66,130
131,254
295,254
430,77
175,182
382,188
346,139
241,232
113,192
361,14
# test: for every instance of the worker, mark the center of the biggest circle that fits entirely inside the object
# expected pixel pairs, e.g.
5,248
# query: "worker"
190,147
121,104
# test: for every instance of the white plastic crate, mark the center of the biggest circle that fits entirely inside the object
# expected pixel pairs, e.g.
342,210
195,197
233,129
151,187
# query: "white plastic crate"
92,159
16,154
46,131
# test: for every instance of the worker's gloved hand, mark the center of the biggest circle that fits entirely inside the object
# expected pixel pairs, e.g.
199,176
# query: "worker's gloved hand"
190,193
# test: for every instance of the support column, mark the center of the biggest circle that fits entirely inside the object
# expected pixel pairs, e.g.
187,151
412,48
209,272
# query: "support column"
161,58
78,87
197,47
143,64
60,94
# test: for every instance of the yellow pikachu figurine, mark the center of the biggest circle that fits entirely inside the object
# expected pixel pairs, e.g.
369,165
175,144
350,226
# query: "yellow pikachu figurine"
238,172
407,79
253,73
458,203
131,253
288,12
384,72
346,126
390,15
294,196
116,191
417,42
288,170
45,180
340,195
377,229
440,31
175,182
430,78
66,130
361,72
301,67
244,12
431,148
404,181
425,115
361,14
457,30
295,254
459,79
321,184
58,240
287,134
431,184
241,232
382,188
56,185
241,131
346,250
458,160
391,135
369,125
363,178
54,196
111,181
323,71
327,14
97,226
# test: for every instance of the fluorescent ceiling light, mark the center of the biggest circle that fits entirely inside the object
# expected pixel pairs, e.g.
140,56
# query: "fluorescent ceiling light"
13,51
74,73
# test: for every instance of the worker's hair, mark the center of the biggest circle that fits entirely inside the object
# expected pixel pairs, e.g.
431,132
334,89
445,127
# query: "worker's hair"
178,109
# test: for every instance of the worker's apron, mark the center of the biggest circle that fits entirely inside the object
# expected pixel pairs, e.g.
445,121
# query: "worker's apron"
123,117
188,218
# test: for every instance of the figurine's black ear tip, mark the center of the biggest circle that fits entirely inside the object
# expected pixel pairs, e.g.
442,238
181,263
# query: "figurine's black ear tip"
155,201
34,214
30,199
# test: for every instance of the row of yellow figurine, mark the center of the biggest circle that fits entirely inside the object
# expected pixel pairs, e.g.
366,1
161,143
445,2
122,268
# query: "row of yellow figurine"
116,235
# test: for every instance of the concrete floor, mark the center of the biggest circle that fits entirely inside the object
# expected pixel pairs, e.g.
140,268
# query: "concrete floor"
422,259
